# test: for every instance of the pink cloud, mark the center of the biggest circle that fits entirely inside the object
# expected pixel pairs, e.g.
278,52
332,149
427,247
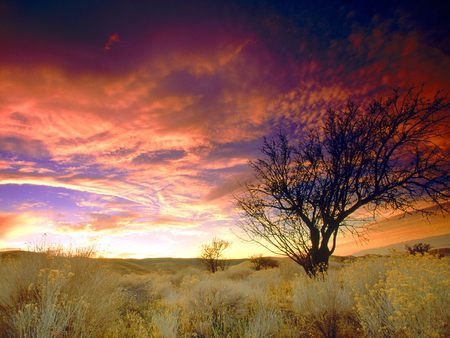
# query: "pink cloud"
7,222
156,129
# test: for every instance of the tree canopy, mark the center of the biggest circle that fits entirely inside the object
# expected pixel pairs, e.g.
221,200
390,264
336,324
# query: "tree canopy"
381,155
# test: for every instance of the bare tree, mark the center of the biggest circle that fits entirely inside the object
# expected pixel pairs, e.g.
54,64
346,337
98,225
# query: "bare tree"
382,155
212,254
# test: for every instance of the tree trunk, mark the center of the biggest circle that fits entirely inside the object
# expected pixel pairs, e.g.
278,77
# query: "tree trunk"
317,261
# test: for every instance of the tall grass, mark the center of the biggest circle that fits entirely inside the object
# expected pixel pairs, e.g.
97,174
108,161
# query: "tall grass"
47,295
55,294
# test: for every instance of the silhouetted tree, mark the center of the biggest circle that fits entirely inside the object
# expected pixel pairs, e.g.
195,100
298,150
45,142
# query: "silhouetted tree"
418,248
260,262
212,255
382,155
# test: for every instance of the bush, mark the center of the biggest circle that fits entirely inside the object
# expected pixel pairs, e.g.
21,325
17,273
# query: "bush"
259,262
214,308
42,295
410,299
325,302
418,248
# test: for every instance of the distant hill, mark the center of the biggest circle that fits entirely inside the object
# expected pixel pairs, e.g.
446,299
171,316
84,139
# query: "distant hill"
440,252
436,242
135,266
386,235
394,232
148,265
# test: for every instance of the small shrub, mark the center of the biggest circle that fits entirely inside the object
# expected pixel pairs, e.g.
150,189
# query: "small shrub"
265,323
325,301
418,248
165,324
214,308
410,300
42,295
260,262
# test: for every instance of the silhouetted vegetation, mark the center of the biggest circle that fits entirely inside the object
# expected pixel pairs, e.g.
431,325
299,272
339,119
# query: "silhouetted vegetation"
260,262
380,155
212,255
418,248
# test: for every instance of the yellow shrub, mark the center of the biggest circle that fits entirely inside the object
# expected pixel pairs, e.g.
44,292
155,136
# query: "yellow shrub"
47,296
43,295
410,300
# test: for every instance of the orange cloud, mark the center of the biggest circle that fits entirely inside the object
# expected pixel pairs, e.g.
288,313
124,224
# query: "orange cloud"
7,222
14,225
171,128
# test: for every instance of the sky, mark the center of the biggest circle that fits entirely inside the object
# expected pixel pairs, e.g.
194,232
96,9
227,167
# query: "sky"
128,125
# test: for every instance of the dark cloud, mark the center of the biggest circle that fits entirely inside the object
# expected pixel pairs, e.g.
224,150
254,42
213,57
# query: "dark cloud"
226,151
22,118
158,157
84,140
184,83
122,151
73,33
25,148
112,39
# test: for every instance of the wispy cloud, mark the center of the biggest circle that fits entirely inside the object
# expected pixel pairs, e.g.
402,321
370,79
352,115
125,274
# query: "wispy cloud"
156,130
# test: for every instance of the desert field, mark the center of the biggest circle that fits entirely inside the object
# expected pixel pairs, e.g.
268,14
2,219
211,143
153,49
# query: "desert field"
224,169
56,294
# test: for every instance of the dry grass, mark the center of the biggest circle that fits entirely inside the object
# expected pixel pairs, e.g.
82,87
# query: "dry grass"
48,295
52,294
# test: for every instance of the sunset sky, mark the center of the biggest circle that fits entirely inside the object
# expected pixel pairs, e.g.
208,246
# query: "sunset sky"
128,125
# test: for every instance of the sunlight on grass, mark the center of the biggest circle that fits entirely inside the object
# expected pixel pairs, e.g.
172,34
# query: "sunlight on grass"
50,294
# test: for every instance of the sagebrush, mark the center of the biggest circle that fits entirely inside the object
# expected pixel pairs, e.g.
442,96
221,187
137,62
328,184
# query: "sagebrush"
48,295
